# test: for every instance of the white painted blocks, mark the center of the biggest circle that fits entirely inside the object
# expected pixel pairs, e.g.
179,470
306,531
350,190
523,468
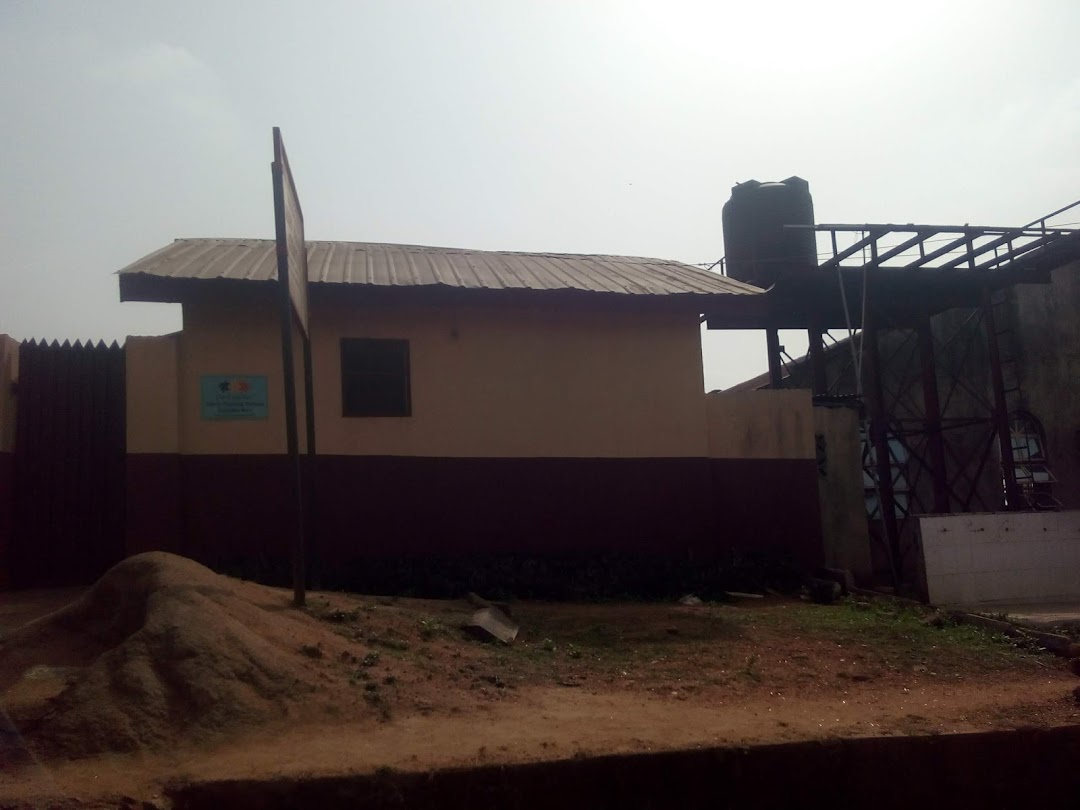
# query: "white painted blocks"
1001,557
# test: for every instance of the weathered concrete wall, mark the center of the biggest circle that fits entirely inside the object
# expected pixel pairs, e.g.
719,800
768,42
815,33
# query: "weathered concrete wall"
760,424
153,394
153,514
1018,557
764,473
1048,328
840,490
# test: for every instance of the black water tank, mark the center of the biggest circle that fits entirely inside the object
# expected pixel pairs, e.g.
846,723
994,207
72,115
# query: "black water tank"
758,248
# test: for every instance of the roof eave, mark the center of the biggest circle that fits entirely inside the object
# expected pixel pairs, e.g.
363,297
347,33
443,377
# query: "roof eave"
147,287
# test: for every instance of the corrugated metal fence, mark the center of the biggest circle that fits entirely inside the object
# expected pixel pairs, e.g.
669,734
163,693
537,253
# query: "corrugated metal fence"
69,463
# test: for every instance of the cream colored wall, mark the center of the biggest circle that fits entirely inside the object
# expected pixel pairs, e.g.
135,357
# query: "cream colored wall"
492,381
517,382
153,424
9,372
232,333
761,424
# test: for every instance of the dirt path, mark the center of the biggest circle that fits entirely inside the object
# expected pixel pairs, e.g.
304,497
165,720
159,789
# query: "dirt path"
356,684
557,723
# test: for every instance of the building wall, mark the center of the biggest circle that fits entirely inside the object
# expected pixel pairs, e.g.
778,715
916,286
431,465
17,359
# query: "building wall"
763,473
841,491
153,505
9,372
577,430
1001,558
1048,326
232,333
487,382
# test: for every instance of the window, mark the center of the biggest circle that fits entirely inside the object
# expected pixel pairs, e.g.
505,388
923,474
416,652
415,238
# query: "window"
898,458
1033,476
375,377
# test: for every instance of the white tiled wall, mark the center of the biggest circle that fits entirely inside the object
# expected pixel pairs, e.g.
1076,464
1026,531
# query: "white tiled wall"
1001,557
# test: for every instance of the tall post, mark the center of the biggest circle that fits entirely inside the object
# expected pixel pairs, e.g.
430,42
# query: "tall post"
1001,406
310,471
818,379
776,369
292,289
935,440
879,439
292,449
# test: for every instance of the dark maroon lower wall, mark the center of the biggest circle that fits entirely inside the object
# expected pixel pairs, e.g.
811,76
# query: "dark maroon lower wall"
154,519
393,522
381,505
769,503
7,513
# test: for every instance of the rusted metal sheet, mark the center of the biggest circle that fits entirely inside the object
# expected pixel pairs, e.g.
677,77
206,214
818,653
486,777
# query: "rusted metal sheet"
385,265
69,463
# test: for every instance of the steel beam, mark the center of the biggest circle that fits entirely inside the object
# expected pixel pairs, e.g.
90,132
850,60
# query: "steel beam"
1001,407
935,440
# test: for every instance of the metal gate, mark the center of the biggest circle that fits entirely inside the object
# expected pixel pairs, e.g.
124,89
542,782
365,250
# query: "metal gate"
69,463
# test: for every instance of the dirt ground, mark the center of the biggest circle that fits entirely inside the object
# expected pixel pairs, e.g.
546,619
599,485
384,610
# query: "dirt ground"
355,684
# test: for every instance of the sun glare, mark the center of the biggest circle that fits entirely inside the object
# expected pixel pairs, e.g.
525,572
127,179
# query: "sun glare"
781,38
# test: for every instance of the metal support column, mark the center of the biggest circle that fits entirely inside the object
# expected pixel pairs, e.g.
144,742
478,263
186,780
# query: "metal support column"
935,441
818,380
1001,407
310,469
879,440
879,432
776,368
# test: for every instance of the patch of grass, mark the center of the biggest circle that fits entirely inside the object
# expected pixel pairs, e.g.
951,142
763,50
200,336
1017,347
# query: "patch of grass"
311,650
898,632
339,616
430,628
370,660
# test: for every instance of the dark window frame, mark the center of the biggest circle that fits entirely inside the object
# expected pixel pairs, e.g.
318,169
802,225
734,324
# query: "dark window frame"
396,352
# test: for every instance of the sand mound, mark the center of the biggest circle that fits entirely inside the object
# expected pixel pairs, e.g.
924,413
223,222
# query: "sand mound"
161,651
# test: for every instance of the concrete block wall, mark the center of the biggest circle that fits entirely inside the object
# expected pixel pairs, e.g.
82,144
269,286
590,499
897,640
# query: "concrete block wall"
1017,558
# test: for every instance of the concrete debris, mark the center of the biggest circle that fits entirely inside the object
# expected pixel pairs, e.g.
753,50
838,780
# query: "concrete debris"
492,623
476,600
691,601
840,576
742,595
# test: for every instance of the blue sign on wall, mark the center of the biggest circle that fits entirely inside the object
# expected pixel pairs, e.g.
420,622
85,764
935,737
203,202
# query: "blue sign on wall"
233,396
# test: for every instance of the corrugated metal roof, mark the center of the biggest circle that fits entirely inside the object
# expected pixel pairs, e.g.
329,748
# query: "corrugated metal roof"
415,266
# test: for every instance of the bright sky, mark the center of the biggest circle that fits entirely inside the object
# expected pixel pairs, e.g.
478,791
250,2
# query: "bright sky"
580,127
